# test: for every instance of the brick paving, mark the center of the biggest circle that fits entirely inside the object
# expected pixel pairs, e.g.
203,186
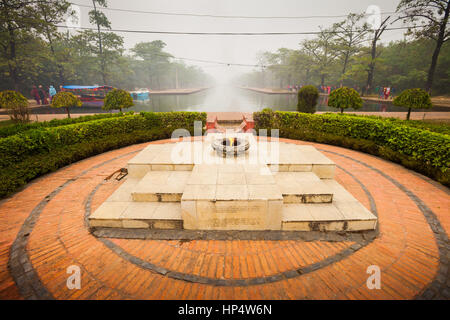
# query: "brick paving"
43,231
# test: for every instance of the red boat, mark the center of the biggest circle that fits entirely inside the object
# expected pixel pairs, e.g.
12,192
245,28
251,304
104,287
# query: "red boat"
89,94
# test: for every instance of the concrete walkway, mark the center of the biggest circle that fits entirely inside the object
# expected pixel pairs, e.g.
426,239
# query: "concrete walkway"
176,91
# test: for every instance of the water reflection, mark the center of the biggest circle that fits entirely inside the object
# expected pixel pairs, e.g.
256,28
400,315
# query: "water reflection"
228,99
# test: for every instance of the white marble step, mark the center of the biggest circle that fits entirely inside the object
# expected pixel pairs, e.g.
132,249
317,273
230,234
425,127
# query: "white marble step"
344,214
161,186
137,215
303,187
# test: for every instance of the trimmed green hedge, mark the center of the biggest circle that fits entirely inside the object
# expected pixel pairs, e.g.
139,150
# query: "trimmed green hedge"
421,150
22,127
30,154
443,128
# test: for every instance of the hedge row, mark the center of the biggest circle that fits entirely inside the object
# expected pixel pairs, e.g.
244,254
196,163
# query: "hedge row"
28,155
443,128
22,127
421,150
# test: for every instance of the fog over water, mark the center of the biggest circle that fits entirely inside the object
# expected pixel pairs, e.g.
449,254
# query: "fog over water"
229,49
225,99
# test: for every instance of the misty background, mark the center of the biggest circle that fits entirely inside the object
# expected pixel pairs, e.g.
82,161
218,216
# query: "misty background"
229,49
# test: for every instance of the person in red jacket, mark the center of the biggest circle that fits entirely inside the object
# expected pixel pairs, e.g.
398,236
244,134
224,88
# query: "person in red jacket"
35,94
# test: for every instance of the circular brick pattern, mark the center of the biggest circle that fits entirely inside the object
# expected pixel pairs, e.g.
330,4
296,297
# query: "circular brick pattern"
44,233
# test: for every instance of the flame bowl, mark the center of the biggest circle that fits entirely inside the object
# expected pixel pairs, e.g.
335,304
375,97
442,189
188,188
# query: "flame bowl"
227,147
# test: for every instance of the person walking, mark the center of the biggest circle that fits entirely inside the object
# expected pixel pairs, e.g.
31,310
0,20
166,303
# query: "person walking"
387,93
35,94
42,95
51,92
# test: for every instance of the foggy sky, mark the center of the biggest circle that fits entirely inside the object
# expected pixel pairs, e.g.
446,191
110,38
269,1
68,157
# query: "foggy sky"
230,49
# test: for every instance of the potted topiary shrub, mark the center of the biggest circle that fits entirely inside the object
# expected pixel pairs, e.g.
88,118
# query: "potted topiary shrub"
17,104
66,100
118,99
344,98
413,99
307,99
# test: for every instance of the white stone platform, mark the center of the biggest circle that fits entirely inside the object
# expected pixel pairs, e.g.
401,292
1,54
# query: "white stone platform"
271,187
231,197
279,157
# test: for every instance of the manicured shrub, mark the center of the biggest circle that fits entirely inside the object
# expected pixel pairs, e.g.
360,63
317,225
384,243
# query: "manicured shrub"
308,96
66,100
22,127
17,104
413,99
29,154
344,98
421,150
118,99
443,128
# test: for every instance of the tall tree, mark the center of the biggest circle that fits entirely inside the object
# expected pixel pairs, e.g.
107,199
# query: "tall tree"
100,20
154,60
18,18
349,35
323,52
279,65
86,46
431,16
52,13
373,54
301,65
20,22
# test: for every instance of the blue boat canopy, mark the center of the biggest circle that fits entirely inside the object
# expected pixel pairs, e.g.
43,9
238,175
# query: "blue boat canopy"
81,87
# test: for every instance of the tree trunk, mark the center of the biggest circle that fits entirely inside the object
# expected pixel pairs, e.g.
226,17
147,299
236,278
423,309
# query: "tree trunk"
52,49
13,74
103,66
68,113
100,46
432,69
371,71
12,63
437,50
322,80
371,66
342,110
58,65
409,114
344,69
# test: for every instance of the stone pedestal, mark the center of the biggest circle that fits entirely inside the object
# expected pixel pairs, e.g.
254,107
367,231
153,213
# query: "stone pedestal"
271,187
232,197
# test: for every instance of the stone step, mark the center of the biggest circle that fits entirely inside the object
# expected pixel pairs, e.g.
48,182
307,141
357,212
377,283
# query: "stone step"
161,157
344,214
137,215
161,186
284,157
303,187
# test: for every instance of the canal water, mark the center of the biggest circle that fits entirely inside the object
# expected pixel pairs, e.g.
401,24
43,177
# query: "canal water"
229,99
223,99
